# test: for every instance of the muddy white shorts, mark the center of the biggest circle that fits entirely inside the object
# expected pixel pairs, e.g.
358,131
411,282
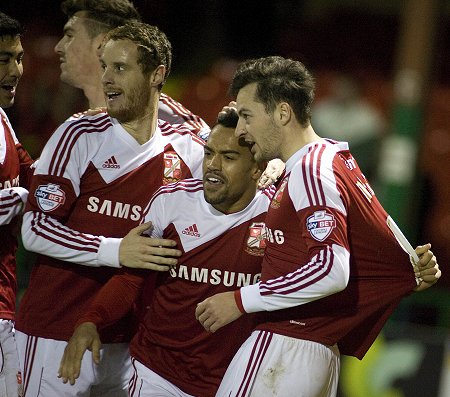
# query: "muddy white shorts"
273,365
147,383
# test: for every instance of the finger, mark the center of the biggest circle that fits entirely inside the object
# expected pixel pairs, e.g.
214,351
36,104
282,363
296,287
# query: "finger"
138,230
96,345
159,243
421,249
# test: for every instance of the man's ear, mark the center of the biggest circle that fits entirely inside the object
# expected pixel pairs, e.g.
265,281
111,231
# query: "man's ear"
284,111
158,75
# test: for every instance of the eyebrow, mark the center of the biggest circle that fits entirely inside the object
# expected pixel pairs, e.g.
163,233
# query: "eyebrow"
206,147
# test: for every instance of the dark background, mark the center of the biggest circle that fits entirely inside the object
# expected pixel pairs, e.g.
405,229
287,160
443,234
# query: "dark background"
210,37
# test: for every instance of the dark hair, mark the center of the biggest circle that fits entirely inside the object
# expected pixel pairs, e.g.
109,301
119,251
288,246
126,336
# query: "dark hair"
154,47
278,80
228,119
10,26
103,15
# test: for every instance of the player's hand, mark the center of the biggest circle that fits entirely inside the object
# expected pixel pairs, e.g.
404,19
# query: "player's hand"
142,252
271,174
84,338
427,269
227,108
216,311
90,112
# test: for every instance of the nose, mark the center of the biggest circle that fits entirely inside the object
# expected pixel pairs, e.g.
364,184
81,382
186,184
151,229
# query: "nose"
58,47
240,129
15,69
107,76
213,163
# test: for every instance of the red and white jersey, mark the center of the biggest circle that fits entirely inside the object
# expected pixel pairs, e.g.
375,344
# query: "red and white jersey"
328,243
15,163
90,188
175,113
221,252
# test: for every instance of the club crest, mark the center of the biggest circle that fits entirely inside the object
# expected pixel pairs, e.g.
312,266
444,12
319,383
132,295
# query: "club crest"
172,168
49,197
256,240
275,203
320,225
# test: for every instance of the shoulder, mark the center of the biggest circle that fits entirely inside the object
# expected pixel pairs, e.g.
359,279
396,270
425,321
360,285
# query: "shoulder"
179,132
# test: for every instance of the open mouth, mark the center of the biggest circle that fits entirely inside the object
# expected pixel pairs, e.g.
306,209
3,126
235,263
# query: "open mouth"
213,180
112,95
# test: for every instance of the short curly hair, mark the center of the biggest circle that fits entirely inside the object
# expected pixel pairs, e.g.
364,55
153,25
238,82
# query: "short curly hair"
278,79
154,47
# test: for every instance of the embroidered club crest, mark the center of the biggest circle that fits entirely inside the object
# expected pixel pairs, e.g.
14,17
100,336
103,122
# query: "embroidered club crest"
320,225
49,197
172,168
275,203
256,240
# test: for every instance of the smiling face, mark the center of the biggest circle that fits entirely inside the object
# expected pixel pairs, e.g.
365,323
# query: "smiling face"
256,126
230,173
78,54
126,87
11,68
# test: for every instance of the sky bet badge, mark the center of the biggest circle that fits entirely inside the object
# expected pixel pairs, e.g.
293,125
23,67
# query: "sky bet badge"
256,239
49,197
172,168
320,225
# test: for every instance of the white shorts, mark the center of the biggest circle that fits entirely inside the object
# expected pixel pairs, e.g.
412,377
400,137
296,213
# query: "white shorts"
40,359
273,365
10,376
147,383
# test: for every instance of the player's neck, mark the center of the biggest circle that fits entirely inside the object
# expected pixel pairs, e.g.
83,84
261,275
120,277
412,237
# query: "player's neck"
296,139
95,97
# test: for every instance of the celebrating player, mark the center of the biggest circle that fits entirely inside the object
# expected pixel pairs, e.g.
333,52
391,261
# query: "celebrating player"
15,165
220,229
87,24
94,178
332,271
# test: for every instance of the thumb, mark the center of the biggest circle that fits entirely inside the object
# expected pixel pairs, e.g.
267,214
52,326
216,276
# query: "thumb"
96,345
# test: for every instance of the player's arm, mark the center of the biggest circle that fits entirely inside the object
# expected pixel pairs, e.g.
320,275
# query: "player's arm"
326,273
115,299
12,202
53,192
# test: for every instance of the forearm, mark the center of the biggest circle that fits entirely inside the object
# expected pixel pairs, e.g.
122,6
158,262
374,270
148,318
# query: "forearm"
115,299
46,235
327,273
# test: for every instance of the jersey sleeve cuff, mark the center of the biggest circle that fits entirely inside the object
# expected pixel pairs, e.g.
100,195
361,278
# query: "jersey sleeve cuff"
238,300
251,299
22,192
108,253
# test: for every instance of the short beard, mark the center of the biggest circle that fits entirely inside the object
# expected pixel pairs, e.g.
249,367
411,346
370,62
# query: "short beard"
134,108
